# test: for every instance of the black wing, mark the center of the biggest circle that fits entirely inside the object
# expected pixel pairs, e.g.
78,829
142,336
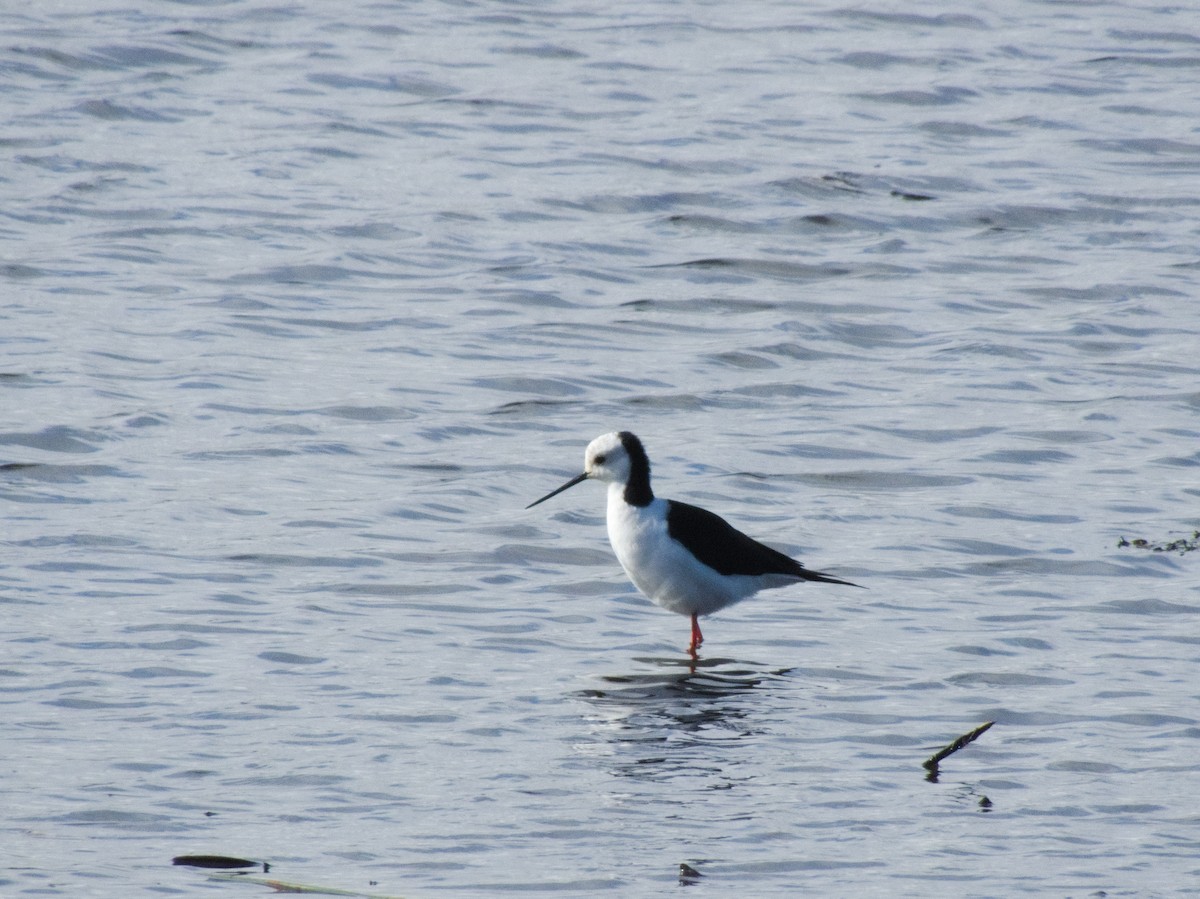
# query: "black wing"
726,550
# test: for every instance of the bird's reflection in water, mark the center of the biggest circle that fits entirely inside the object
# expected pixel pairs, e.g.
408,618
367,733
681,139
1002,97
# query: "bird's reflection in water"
681,717
675,677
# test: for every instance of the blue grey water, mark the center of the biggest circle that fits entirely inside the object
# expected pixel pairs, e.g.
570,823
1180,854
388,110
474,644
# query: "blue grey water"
303,303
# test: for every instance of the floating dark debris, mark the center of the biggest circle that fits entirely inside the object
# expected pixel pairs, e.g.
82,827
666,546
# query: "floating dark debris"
931,763
1181,546
215,861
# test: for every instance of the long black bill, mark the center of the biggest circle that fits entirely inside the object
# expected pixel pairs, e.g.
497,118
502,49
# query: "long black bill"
571,483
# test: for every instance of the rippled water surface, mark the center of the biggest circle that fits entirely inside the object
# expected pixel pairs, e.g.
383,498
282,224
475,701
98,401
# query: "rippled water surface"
303,303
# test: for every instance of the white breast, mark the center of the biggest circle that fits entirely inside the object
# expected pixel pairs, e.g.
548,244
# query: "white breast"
661,568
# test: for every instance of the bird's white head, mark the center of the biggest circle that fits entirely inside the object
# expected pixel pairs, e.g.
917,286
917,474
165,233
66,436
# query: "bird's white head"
616,458
606,459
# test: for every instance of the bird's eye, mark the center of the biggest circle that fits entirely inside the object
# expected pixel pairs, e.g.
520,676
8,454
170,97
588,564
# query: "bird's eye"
599,460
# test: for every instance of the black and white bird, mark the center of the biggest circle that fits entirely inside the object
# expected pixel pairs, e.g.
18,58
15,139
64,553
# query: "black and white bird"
685,558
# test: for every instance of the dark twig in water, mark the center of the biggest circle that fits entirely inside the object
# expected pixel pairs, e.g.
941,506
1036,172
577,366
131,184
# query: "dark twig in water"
931,763
1181,546
215,861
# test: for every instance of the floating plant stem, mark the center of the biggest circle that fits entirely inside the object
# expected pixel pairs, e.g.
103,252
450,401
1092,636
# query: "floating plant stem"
931,763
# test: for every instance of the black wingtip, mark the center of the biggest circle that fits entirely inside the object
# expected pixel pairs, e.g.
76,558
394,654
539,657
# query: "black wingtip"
821,578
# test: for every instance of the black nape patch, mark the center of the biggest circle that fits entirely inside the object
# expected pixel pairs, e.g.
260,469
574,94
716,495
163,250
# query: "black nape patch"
637,488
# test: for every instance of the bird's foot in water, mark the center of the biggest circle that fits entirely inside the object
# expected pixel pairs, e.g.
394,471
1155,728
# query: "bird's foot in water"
697,637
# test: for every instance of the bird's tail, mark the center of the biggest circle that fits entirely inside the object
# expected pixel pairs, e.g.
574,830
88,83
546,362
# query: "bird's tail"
822,578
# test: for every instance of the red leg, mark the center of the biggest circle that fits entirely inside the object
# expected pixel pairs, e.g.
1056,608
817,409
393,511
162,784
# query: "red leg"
697,637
